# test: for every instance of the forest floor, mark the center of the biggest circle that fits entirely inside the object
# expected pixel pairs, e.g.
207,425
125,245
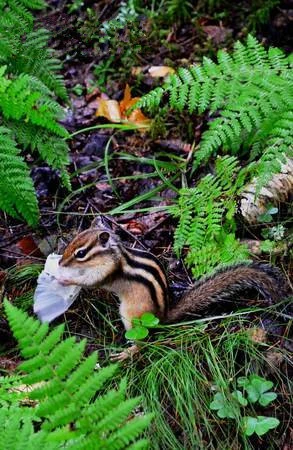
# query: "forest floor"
112,172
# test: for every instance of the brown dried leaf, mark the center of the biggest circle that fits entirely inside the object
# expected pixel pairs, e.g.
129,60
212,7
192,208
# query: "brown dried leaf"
109,109
258,335
116,112
274,358
28,246
160,71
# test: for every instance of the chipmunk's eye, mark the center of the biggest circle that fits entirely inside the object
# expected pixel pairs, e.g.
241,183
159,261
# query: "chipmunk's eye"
81,253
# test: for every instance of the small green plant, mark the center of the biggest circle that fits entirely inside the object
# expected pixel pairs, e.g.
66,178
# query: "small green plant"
140,328
178,10
277,233
259,425
117,41
76,5
257,390
63,386
181,366
227,409
206,219
29,113
267,216
260,13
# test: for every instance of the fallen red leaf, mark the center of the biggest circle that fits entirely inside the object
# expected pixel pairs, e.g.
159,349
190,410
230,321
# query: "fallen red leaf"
28,246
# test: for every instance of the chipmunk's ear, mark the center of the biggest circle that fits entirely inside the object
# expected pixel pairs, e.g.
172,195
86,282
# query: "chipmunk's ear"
104,238
101,222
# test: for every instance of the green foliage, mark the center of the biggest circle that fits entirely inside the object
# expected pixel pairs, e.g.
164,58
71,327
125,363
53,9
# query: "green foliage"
224,408
257,389
140,326
206,219
68,410
28,112
249,96
9,390
25,50
267,216
183,367
228,405
117,41
178,10
259,425
16,197
260,12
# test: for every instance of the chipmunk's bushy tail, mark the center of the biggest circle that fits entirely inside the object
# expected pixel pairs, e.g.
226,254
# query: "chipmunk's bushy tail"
226,284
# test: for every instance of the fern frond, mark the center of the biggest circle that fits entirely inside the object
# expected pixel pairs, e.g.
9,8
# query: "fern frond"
68,409
17,430
36,59
206,219
17,194
30,113
26,50
245,89
124,436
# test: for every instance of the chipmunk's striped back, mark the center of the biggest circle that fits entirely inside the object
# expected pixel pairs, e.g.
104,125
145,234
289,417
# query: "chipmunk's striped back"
143,267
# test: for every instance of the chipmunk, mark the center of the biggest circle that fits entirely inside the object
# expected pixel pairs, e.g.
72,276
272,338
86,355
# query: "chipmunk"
140,283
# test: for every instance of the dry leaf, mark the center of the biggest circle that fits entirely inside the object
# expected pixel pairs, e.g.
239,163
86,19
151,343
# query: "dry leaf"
135,227
138,118
257,335
136,71
127,101
109,109
274,357
28,246
116,112
160,71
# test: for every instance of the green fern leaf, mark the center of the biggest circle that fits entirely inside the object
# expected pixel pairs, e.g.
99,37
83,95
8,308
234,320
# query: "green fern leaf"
68,410
17,197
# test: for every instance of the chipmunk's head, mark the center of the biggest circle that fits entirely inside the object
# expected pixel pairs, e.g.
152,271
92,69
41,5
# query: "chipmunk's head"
93,256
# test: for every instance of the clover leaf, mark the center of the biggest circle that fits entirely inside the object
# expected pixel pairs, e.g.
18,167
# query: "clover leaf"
223,407
242,381
149,320
257,390
259,425
267,216
239,397
137,333
140,326
249,424
267,398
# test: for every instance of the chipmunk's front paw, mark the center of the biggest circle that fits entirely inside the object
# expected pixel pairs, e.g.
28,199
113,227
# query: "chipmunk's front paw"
65,281
126,354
